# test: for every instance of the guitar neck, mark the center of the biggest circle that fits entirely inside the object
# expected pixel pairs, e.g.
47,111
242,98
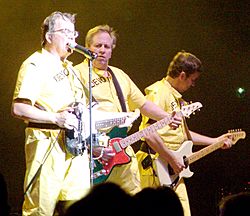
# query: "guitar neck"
205,151
125,142
109,123
211,148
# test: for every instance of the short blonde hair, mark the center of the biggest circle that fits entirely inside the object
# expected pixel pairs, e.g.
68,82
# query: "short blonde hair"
101,28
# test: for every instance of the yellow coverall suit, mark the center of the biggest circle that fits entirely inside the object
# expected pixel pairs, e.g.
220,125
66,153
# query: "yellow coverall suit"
103,90
166,97
48,82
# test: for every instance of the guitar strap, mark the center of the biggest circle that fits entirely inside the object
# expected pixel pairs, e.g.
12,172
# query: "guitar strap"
188,135
186,129
118,90
148,160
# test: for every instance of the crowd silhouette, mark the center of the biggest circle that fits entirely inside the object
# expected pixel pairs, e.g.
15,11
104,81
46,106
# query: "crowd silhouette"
103,199
4,205
237,204
109,199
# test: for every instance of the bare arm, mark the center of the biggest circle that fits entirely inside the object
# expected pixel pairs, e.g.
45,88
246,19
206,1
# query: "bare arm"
199,139
157,144
30,113
152,111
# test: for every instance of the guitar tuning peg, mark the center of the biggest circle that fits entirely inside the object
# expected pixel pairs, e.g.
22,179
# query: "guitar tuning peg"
234,130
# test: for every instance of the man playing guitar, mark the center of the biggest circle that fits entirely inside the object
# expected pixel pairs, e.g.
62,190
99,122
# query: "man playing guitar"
183,72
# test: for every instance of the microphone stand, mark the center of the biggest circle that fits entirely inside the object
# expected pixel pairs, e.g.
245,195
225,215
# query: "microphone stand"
91,165
90,56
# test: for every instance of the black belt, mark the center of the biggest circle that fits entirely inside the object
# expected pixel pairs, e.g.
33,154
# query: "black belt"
43,126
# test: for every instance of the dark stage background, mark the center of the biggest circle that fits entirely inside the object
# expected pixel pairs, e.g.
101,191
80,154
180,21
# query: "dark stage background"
150,34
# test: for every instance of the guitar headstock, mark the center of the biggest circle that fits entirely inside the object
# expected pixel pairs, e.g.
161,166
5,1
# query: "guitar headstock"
237,134
191,108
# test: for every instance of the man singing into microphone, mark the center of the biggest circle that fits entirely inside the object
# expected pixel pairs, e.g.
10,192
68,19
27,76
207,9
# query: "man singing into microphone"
45,87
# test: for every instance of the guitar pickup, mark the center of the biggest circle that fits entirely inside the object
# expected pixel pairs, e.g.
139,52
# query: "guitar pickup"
186,161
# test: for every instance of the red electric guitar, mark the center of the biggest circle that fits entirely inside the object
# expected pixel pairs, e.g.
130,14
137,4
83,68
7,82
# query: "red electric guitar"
103,169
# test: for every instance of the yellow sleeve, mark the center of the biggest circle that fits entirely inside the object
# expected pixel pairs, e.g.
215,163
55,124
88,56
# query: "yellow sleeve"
28,83
153,93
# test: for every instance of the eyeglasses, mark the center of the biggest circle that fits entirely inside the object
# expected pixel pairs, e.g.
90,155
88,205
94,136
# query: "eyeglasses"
67,32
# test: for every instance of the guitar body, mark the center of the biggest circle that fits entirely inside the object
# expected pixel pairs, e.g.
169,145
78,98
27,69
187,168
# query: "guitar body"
102,169
165,173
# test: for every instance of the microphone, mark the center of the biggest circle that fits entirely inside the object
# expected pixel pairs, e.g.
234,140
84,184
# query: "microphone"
80,49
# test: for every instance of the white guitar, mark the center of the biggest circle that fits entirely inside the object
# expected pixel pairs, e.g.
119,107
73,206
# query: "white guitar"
76,139
165,172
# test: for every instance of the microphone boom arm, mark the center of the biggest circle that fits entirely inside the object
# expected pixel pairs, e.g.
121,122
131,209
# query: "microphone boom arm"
82,50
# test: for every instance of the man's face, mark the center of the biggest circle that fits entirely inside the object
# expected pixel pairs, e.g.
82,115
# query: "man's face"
102,45
63,33
188,82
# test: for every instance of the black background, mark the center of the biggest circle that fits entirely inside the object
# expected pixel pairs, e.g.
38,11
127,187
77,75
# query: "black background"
150,34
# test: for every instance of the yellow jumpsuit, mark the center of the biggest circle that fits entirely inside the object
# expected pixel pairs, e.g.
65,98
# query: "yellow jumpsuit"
103,90
46,81
166,97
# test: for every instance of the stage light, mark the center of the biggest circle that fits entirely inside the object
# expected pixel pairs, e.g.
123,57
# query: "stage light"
240,92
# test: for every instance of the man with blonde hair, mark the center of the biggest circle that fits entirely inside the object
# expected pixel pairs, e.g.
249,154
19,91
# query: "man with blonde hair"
102,40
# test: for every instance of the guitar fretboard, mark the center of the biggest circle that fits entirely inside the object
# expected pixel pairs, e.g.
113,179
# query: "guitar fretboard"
185,111
110,122
211,148
205,151
125,142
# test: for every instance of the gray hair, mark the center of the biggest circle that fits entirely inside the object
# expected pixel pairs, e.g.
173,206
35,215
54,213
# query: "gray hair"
49,23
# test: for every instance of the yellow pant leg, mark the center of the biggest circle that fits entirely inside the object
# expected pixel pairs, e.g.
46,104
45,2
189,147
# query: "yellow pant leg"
57,177
182,193
76,183
147,176
148,179
127,175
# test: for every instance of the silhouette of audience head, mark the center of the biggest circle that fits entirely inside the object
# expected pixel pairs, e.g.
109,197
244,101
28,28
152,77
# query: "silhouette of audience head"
4,206
103,199
157,201
110,199
235,204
